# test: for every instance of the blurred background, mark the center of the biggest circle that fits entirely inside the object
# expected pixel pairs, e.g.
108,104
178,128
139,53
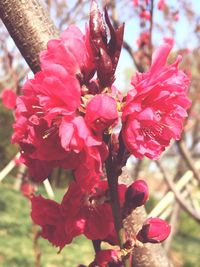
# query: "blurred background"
174,180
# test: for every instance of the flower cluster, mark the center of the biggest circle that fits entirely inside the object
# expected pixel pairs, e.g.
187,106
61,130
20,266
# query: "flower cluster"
66,118
156,106
90,214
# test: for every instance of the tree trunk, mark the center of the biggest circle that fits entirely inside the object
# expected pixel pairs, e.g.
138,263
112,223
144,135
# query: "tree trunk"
30,27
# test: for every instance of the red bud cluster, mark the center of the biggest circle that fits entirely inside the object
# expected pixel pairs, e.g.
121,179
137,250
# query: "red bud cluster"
106,52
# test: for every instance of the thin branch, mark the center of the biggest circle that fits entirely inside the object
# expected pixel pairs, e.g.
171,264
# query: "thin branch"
151,29
131,53
178,195
185,153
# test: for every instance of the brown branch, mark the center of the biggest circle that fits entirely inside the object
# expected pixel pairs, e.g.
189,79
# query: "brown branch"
131,53
151,29
112,177
30,27
185,153
150,255
178,195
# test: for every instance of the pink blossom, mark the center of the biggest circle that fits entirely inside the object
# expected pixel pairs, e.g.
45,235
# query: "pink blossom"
28,189
136,195
156,107
161,4
88,213
135,3
72,51
176,16
143,39
101,113
47,214
9,98
49,131
145,15
104,258
154,230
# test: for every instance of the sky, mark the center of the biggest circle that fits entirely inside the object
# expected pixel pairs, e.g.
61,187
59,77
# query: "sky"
184,36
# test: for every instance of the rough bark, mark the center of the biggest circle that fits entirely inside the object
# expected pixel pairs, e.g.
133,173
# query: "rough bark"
30,27
151,255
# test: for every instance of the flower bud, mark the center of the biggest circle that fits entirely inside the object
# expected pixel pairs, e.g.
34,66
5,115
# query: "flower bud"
155,230
136,195
9,98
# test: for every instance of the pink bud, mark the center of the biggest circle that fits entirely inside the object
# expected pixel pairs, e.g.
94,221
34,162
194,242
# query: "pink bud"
9,98
136,195
155,230
28,190
145,15
161,4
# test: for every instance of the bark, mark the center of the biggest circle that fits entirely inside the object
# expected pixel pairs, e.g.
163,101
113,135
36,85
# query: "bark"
30,26
151,255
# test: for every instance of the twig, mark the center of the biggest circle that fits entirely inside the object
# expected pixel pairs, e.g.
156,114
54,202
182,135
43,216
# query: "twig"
131,53
36,248
112,176
177,195
151,29
188,159
169,197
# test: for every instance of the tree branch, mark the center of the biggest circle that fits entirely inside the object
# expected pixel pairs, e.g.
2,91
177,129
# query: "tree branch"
150,255
30,27
188,159
178,195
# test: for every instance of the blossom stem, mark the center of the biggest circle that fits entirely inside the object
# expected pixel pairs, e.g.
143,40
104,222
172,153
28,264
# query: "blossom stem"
112,176
96,245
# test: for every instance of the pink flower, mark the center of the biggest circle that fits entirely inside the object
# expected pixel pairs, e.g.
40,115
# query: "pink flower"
49,131
155,230
155,109
47,214
72,51
135,3
28,190
143,39
176,16
145,15
104,258
75,135
9,98
161,4
88,213
136,195
101,113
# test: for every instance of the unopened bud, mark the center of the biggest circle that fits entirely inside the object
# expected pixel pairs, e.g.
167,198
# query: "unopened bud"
155,230
136,195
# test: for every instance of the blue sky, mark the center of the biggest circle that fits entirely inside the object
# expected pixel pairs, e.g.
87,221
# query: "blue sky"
183,33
